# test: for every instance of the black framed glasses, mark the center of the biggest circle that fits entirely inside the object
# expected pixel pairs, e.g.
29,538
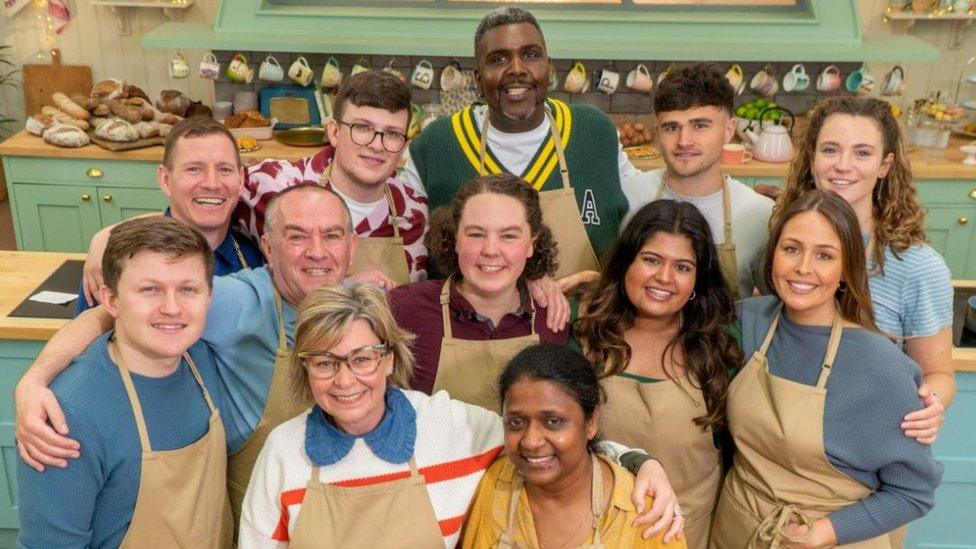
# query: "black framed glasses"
364,134
363,361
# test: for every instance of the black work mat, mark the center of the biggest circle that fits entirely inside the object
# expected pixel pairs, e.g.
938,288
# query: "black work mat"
65,279
962,336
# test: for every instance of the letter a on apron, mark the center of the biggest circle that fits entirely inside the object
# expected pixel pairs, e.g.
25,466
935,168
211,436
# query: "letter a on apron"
781,474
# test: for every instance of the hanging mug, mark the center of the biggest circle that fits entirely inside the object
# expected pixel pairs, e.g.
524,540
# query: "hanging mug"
894,82
238,70
736,78
178,67
209,67
390,69
451,78
796,80
300,72
765,82
331,75
829,79
640,79
608,81
270,70
575,80
860,81
423,75
361,66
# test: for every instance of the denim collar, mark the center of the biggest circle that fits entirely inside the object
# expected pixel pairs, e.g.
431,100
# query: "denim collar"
392,440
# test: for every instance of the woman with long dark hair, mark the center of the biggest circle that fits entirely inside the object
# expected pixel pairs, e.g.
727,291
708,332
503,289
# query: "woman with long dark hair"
655,325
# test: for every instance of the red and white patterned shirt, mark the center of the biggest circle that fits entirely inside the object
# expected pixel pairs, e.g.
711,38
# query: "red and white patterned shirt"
270,177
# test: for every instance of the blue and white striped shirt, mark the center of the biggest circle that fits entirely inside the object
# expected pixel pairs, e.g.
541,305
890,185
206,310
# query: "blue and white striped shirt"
914,297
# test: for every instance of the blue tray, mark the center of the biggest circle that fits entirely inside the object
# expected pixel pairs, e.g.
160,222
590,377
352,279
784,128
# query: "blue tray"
268,93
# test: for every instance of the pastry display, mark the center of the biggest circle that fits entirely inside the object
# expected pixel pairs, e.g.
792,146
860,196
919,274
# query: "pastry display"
633,134
250,118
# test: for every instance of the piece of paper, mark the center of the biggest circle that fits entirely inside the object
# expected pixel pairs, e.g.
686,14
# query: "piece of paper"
55,298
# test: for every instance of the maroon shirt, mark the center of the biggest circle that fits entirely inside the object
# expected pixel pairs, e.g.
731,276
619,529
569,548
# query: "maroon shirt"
417,308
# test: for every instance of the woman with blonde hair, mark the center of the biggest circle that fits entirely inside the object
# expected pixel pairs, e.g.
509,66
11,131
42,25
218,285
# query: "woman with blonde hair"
372,464
853,147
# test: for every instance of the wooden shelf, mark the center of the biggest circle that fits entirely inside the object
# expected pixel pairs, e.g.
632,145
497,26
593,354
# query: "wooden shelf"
960,21
173,10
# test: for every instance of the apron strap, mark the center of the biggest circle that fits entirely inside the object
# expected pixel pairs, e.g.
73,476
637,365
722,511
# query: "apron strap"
836,330
282,340
130,390
557,143
727,210
196,375
769,333
506,538
445,310
414,471
771,529
597,499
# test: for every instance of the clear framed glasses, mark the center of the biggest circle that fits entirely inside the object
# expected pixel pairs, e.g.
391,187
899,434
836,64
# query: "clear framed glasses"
364,134
363,361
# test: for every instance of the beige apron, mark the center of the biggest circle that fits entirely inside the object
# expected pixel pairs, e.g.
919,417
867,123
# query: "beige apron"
182,498
279,408
385,253
658,417
396,514
468,369
560,212
780,474
727,261
506,540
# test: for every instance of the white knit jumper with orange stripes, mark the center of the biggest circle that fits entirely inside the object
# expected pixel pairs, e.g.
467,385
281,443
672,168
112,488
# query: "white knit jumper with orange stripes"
456,443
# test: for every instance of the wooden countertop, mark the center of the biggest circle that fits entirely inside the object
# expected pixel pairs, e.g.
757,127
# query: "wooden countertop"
926,163
20,274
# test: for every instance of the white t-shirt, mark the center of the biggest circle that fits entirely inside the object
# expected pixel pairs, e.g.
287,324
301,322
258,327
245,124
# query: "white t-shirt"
513,150
750,219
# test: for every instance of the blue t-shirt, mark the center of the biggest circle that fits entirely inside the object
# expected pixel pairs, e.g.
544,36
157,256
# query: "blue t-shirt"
226,260
242,329
914,297
90,503
871,387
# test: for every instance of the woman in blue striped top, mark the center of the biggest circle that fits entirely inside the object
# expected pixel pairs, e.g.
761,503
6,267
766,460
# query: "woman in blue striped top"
853,147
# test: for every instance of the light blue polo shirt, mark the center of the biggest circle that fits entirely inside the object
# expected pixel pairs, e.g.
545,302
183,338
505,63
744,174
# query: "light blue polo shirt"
242,330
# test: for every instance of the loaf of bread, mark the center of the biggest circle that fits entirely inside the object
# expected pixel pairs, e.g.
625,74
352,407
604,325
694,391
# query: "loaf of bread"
129,113
117,130
64,135
110,88
147,129
64,118
37,123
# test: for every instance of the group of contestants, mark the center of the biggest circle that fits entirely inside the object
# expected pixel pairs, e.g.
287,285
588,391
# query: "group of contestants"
784,366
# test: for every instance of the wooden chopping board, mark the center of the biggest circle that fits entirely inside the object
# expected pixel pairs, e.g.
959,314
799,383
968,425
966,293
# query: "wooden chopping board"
40,81
128,146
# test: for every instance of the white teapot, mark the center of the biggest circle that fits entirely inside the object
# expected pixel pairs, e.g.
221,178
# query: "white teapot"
773,142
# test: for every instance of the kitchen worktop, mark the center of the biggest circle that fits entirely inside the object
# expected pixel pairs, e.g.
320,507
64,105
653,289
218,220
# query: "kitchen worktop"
926,163
22,272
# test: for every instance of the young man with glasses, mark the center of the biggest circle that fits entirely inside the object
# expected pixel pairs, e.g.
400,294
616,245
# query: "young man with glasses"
367,137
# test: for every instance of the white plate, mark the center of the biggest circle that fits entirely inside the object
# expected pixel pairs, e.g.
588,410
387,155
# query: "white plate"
263,133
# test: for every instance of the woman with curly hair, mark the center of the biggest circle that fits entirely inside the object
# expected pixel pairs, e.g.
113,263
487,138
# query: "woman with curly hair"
853,147
656,327
489,242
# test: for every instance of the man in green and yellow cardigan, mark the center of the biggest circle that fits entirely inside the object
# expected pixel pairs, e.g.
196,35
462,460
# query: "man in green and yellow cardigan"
513,72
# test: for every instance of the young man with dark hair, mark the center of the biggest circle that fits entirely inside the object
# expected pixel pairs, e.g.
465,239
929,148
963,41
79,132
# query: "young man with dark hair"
367,136
570,153
693,109
145,475
202,176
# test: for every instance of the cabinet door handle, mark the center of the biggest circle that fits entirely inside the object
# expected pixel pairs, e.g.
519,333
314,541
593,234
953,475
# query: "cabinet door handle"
95,173
963,220
972,194
86,197
107,198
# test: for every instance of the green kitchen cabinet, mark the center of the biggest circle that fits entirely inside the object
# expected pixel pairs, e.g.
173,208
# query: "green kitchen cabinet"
950,232
58,204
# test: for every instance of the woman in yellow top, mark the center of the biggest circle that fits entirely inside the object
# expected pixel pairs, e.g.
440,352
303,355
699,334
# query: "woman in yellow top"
551,490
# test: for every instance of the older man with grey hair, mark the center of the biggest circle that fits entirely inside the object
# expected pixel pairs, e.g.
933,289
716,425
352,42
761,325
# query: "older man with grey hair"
553,145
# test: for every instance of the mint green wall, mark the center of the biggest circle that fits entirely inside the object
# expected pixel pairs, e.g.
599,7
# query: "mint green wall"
825,30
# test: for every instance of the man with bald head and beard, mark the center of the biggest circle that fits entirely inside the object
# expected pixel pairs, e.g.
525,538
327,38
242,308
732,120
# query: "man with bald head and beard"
521,131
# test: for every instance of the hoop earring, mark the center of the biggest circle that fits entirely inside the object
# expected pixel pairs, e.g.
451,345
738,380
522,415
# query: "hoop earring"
842,286
692,298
